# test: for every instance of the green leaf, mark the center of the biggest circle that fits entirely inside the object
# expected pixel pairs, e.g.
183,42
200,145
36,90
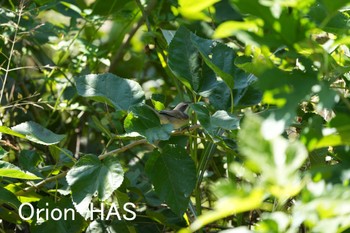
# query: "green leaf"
144,120
222,61
217,56
29,160
219,120
6,130
7,197
38,134
11,171
3,152
193,9
101,127
118,92
327,208
326,14
276,159
224,120
287,89
184,59
338,133
230,28
343,128
173,174
234,203
106,7
64,224
312,132
167,218
220,96
91,177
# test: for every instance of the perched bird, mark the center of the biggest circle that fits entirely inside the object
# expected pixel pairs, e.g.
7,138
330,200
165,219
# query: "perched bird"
177,117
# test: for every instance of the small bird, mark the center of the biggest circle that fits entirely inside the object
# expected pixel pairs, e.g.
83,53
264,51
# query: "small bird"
177,117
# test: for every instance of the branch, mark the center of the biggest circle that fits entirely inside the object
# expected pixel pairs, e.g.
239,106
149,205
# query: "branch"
122,149
42,183
63,174
100,157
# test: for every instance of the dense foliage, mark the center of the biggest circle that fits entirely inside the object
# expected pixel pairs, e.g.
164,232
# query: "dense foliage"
267,147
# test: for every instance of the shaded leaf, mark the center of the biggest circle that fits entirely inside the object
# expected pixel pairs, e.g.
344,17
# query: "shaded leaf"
7,197
184,59
173,174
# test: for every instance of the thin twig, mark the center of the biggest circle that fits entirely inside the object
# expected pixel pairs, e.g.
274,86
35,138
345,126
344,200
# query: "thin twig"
63,174
29,67
11,51
100,157
42,183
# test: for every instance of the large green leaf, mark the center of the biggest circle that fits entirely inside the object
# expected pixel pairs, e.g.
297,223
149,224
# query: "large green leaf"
91,177
143,120
184,59
173,174
36,133
118,92
12,171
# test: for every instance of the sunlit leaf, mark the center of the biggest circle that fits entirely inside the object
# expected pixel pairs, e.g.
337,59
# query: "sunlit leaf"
192,9
12,171
118,92
276,159
37,133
